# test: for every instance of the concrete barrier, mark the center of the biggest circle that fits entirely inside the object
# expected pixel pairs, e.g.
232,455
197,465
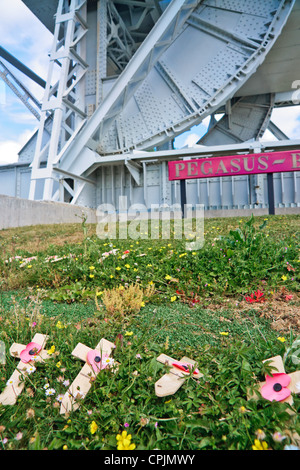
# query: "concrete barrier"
16,212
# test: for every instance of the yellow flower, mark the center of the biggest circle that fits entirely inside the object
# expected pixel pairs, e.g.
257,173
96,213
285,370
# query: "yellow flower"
127,266
92,275
281,338
224,333
167,277
29,266
59,325
93,427
173,298
129,333
51,350
124,441
142,304
65,447
99,293
118,268
284,278
92,268
260,445
58,364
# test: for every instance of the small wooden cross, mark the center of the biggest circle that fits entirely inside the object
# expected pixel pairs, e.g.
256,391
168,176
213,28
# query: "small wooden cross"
281,385
29,355
95,360
169,383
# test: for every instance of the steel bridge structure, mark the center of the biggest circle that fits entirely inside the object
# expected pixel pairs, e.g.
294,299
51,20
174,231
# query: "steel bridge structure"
126,77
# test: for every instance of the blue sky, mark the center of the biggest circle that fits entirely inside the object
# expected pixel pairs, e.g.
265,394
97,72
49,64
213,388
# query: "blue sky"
27,39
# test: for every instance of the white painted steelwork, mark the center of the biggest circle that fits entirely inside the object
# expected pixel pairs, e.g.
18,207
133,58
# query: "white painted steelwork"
135,74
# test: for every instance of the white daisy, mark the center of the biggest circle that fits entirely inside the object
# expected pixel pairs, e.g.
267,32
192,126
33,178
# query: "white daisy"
108,361
30,370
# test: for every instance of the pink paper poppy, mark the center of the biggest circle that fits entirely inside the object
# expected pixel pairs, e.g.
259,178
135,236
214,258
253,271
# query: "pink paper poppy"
276,387
31,350
97,361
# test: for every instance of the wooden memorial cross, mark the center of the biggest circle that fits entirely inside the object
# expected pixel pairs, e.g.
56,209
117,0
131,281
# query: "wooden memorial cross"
29,355
95,360
280,386
169,383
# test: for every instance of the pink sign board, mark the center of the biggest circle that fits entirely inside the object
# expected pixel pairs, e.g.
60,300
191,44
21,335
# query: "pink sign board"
272,162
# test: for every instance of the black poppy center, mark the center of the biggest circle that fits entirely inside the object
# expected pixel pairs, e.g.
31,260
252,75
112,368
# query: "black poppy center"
97,359
277,387
33,351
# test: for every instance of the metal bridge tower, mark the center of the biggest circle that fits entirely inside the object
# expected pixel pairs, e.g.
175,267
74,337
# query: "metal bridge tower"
128,76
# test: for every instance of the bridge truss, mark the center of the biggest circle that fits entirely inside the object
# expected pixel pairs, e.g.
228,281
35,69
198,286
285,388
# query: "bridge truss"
126,77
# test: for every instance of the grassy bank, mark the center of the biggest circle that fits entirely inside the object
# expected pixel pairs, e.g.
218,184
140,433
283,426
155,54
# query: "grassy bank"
229,306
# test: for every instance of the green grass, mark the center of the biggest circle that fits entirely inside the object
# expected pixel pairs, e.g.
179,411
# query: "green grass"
198,310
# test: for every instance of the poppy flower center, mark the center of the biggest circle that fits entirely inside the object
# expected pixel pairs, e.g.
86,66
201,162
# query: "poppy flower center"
33,351
97,359
277,387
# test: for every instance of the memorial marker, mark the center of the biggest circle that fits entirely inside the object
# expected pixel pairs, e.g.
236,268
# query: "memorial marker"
169,383
95,360
29,355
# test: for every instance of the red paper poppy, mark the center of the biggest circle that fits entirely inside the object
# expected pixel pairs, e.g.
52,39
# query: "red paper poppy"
185,366
276,387
28,354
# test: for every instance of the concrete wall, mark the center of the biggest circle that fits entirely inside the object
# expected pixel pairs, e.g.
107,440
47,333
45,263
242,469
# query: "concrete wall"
248,212
16,212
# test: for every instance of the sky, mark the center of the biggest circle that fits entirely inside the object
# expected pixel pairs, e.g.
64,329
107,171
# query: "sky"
24,36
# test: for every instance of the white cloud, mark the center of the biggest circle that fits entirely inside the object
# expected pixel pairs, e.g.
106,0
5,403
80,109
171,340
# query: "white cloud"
25,37
288,120
191,140
9,149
